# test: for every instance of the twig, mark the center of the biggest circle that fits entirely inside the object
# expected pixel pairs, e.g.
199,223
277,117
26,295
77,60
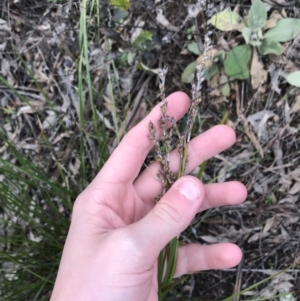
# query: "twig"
247,129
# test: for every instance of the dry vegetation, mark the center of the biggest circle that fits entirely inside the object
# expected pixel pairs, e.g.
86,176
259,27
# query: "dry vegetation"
67,115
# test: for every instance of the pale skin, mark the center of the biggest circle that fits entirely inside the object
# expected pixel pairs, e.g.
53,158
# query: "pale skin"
117,231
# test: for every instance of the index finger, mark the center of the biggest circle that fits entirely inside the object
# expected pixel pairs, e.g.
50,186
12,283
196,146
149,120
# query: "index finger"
125,162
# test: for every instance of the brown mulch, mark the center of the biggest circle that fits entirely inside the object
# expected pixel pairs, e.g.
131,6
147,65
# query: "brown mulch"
38,57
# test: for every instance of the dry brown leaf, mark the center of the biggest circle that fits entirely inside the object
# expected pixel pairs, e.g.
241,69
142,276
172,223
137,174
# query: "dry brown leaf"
61,136
290,220
25,145
44,27
283,12
251,135
109,105
40,76
211,54
256,237
272,21
210,239
223,43
5,66
295,174
258,73
215,92
258,122
74,168
296,105
295,189
288,200
160,18
269,224
105,121
50,120
4,26
222,174
230,123
33,107
276,2
138,29
284,233
279,284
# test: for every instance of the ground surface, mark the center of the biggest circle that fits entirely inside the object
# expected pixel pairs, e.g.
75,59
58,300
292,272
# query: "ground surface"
39,56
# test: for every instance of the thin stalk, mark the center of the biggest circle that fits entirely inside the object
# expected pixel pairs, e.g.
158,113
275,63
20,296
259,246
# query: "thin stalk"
113,102
256,284
82,61
171,250
201,170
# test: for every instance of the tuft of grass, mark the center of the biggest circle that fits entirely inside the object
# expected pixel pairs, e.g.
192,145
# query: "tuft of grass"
35,203
35,216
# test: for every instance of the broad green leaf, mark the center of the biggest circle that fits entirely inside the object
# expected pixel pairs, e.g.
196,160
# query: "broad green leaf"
120,4
143,40
236,63
247,34
119,15
257,15
227,21
211,71
285,30
294,79
193,47
226,90
188,74
269,46
130,57
123,59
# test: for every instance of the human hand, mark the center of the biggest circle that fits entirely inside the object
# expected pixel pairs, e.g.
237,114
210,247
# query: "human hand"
117,231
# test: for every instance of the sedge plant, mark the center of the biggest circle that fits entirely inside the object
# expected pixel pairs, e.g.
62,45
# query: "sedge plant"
173,138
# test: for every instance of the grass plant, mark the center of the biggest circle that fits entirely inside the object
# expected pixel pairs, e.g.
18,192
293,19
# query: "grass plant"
168,257
35,220
35,209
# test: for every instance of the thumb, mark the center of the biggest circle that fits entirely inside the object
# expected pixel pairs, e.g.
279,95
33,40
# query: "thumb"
170,216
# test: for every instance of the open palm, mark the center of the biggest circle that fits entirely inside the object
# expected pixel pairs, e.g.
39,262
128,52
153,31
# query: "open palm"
117,231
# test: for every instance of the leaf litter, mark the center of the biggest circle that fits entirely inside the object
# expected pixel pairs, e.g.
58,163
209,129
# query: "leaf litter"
265,157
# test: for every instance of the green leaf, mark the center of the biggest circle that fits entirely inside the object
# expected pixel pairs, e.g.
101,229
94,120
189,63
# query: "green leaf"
211,71
143,40
270,47
237,61
119,15
246,32
120,4
257,15
294,79
285,30
193,47
130,57
227,21
226,90
188,74
141,66
123,59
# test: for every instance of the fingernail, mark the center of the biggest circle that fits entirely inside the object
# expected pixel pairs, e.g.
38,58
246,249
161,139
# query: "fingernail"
189,189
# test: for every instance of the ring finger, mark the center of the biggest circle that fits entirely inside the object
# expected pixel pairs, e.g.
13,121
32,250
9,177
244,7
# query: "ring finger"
194,258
